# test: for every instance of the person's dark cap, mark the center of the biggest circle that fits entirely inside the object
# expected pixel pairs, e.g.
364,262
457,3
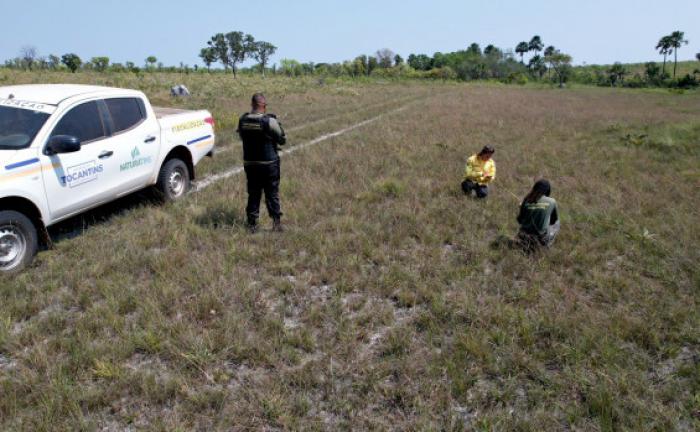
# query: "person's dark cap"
487,150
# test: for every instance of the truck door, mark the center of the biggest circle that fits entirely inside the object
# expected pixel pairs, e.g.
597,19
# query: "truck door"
75,181
136,138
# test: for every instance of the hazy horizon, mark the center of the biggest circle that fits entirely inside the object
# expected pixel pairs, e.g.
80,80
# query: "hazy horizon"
593,33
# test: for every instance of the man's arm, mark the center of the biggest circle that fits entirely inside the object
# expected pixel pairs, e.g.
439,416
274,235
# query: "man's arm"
238,129
277,132
491,174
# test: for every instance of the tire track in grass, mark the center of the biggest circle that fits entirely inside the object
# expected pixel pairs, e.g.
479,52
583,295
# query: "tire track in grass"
355,111
211,179
228,148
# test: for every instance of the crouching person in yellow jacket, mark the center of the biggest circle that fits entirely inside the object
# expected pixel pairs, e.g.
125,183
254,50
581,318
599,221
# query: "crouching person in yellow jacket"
480,171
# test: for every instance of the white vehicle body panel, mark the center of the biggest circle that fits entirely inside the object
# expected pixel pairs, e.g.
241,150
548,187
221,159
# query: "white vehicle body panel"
65,184
189,130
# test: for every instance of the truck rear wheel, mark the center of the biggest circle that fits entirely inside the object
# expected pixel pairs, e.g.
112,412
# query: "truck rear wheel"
173,180
18,241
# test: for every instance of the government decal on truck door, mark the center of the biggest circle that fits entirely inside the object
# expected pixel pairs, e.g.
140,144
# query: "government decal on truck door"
73,179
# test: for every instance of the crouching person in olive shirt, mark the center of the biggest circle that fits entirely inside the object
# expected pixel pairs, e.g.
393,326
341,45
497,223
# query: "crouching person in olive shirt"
538,218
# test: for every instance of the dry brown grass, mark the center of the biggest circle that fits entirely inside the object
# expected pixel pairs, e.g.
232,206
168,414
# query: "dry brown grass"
390,302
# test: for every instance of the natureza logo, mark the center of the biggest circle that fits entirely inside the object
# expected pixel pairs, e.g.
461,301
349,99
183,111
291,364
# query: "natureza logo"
136,160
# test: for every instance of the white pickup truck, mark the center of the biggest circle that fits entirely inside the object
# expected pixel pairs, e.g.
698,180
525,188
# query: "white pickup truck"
67,148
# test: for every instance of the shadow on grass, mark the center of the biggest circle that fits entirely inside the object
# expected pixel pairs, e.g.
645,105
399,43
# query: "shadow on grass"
529,248
220,217
79,224
502,242
215,217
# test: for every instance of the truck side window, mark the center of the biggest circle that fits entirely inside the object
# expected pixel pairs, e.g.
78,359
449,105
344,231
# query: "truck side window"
125,112
83,122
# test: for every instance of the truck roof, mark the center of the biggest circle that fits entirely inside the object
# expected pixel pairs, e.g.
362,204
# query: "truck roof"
53,94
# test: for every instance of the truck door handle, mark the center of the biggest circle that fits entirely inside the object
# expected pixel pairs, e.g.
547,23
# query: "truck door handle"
149,139
105,154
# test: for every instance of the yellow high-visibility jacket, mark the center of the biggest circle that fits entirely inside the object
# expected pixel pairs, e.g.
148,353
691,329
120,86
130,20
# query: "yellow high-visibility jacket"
480,171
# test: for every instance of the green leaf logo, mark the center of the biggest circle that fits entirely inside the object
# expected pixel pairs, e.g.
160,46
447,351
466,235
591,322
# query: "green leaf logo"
135,153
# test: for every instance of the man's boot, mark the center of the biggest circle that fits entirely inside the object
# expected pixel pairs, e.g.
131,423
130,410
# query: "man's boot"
277,225
252,226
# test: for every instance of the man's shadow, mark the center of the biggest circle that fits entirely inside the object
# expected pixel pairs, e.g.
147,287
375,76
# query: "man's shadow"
221,217
503,242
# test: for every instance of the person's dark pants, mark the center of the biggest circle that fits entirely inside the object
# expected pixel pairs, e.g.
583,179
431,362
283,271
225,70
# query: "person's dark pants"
263,178
482,191
532,241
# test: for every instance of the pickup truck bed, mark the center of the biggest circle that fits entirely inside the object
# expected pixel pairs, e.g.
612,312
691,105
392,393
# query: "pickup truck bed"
165,112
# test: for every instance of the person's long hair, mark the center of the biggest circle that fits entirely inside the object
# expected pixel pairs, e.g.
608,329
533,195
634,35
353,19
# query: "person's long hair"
540,189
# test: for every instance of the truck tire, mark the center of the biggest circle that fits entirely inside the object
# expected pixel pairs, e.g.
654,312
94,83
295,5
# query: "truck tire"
173,180
18,241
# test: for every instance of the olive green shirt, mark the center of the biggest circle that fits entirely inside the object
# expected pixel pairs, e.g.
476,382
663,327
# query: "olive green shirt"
535,218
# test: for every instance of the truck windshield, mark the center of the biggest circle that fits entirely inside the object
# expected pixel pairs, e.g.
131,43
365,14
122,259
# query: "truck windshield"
18,127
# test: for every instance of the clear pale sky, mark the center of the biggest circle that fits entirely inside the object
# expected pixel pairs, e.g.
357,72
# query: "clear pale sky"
592,31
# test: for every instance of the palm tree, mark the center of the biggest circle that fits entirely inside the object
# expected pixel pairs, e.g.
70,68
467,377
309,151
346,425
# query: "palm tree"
664,47
521,49
548,52
676,40
535,44
537,66
617,74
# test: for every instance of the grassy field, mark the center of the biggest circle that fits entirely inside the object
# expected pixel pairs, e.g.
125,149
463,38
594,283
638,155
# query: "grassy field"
391,301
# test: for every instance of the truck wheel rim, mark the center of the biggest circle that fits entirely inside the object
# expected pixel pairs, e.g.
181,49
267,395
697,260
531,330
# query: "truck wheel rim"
176,183
13,246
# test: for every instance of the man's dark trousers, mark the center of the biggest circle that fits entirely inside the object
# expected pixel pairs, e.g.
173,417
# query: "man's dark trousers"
263,177
482,191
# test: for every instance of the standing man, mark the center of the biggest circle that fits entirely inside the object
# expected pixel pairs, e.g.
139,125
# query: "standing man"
261,134
479,172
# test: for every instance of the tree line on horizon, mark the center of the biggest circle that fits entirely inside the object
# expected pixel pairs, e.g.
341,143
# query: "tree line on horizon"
652,75
545,64
29,60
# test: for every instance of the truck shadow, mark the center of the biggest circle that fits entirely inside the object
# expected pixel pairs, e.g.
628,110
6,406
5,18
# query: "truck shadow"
217,217
78,225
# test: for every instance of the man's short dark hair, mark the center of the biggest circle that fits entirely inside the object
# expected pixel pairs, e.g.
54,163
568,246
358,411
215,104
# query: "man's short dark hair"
258,99
487,150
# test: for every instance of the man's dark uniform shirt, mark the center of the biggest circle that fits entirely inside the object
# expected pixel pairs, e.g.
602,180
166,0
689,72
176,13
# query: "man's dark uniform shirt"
261,135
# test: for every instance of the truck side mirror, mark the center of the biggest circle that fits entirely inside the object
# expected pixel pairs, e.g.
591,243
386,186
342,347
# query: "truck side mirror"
62,144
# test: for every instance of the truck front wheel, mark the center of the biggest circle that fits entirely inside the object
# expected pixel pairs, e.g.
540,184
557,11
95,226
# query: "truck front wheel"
173,180
18,241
